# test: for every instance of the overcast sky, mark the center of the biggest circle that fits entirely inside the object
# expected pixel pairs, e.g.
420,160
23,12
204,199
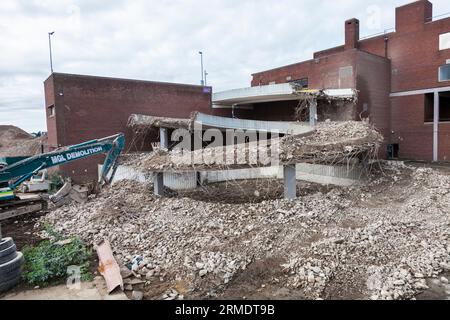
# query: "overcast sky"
160,39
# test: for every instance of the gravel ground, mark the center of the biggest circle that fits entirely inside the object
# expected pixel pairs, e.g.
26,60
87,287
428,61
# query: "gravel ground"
384,240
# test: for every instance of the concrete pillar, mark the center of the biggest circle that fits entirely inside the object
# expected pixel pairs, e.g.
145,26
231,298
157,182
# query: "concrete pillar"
290,182
158,183
164,138
313,113
436,127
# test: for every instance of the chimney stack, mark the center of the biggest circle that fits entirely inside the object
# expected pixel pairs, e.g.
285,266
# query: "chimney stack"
351,34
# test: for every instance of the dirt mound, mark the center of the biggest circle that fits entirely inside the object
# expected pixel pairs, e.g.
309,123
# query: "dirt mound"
8,133
15,142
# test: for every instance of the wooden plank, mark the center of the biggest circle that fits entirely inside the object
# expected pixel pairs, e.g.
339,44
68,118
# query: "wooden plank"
19,211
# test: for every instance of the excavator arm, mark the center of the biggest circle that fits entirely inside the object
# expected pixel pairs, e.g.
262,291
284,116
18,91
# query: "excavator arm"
13,175
112,146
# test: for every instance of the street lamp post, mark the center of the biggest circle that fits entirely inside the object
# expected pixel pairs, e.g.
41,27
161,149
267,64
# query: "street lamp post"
50,48
201,61
206,74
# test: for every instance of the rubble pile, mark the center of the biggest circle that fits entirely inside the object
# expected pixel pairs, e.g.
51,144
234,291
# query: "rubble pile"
331,142
380,241
14,142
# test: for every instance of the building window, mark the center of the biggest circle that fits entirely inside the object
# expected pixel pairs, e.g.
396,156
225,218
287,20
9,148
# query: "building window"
444,107
444,41
429,107
51,111
302,83
444,73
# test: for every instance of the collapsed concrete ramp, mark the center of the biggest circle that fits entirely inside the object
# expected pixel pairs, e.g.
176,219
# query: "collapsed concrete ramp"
331,143
204,121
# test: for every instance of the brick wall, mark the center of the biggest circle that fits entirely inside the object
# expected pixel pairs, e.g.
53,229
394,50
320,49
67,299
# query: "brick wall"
415,138
444,142
321,73
373,83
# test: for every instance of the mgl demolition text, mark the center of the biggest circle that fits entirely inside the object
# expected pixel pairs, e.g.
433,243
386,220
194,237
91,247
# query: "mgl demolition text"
244,310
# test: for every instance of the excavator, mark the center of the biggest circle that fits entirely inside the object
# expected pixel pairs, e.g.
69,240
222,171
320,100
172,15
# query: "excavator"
13,204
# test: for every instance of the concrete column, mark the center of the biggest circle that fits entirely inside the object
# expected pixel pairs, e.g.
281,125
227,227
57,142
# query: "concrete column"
158,183
313,113
164,138
436,127
290,182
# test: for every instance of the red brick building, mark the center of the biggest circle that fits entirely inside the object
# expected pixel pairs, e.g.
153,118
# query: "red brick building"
80,108
403,78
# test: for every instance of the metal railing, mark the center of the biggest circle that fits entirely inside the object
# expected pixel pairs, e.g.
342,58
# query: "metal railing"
432,19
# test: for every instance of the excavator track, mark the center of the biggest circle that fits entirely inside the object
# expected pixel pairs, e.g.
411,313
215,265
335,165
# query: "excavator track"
19,207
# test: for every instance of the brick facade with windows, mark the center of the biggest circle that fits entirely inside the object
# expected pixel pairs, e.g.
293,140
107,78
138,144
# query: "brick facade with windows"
394,63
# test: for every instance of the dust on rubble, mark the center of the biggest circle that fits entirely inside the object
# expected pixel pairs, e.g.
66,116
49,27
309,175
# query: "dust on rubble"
379,241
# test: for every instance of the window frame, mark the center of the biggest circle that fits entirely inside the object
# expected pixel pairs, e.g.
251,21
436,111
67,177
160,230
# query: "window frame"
429,109
304,82
51,111
442,41
439,73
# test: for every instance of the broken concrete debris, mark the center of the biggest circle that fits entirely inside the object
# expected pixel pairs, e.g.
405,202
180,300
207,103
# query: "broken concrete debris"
137,295
68,193
383,240
172,294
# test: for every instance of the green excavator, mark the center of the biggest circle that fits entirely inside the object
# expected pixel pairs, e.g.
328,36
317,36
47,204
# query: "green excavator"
13,175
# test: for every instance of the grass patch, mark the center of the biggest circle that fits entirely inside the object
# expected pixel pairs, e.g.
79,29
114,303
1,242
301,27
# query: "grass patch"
47,262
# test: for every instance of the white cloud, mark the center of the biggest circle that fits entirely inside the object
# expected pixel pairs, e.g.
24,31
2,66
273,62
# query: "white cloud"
159,40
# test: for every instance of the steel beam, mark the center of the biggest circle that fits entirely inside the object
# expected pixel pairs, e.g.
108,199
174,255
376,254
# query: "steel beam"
436,127
158,183
313,113
164,138
290,182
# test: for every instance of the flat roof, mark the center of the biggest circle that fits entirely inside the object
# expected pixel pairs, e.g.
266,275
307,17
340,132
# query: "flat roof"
123,79
276,92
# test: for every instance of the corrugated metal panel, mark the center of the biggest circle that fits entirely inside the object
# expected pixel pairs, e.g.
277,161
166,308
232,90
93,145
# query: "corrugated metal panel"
334,175
180,181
